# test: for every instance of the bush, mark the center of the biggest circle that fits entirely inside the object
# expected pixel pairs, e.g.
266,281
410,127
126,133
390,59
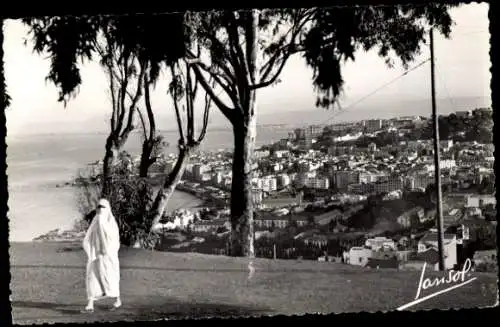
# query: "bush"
130,198
487,267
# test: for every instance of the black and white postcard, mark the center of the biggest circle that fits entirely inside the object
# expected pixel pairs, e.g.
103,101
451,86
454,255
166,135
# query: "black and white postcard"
250,163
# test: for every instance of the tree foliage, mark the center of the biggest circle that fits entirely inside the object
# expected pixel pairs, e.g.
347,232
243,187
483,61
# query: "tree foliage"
326,37
71,40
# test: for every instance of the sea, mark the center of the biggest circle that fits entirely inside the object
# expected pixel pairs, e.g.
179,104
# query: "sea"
37,163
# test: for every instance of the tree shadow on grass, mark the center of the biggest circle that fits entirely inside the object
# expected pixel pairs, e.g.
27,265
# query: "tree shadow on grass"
70,249
62,308
147,309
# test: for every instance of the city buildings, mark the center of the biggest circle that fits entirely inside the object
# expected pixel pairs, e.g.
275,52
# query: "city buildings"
331,176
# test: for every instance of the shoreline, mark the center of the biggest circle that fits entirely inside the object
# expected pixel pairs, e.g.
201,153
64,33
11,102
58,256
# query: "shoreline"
77,233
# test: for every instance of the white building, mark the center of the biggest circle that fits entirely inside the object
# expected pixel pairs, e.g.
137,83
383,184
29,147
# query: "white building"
378,243
261,154
359,256
217,178
281,153
430,241
479,200
277,167
446,145
269,184
284,180
373,125
317,183
182,218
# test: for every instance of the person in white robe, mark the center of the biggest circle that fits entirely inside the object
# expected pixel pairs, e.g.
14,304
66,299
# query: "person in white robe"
101,244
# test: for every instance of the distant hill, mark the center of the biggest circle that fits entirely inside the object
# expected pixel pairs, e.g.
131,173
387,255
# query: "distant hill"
291,115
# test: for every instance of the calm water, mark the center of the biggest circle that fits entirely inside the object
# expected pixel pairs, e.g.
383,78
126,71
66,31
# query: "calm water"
37,163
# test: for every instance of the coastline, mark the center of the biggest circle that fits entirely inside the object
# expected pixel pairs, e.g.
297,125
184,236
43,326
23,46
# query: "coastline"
76,233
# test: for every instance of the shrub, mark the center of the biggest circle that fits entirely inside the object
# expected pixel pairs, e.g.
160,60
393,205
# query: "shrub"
487,267
130,199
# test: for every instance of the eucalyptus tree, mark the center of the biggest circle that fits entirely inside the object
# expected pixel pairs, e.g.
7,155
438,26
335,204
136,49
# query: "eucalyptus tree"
124,47
247,50
66,39
133,59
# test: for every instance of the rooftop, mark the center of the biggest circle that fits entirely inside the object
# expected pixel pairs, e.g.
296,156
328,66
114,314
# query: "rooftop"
430,256
433,237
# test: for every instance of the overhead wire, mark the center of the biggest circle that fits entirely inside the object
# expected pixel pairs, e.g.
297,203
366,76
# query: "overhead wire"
406,72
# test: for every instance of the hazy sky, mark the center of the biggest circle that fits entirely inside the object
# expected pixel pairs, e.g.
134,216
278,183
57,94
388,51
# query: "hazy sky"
462,64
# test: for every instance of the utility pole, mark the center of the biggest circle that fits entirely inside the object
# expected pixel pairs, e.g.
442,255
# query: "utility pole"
437,161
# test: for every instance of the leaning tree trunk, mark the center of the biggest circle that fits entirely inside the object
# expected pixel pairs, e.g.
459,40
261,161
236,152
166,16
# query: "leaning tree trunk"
110,157
168,188
146,160
242,228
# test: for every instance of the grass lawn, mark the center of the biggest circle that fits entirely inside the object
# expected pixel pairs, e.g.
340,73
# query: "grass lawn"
48,286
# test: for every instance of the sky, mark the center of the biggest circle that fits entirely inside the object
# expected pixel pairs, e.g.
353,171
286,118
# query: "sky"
462,71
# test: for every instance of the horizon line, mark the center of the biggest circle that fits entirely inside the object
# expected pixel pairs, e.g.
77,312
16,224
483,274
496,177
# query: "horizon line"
222,127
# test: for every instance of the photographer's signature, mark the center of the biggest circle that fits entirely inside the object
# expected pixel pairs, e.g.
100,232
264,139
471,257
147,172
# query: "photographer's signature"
455,279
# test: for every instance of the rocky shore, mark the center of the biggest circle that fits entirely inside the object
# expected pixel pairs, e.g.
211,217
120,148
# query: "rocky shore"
58,235
74,234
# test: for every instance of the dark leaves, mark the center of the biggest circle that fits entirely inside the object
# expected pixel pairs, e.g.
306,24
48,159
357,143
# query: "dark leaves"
176,87
66,40
395,31
334,36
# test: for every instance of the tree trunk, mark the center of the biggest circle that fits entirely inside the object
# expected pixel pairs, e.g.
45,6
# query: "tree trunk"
242,228
245,131
173,178
146,162
109,160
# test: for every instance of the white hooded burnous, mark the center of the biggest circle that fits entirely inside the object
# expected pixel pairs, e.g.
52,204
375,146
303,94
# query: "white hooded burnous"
101,244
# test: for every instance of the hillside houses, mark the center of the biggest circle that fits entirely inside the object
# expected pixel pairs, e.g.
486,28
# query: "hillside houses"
337,215
204,226
269,220
428,247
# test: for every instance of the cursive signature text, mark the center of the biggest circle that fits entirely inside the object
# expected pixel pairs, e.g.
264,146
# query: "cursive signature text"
453,277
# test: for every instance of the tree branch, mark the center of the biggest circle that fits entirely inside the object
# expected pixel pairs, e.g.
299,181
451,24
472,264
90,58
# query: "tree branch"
175,97
122,93
235,49
228,88
143,123
208,104
189,106
221,53
286,50
226,111
251,30
138,93
276,74
149,109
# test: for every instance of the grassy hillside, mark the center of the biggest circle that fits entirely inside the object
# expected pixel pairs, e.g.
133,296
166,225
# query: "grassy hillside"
48,286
